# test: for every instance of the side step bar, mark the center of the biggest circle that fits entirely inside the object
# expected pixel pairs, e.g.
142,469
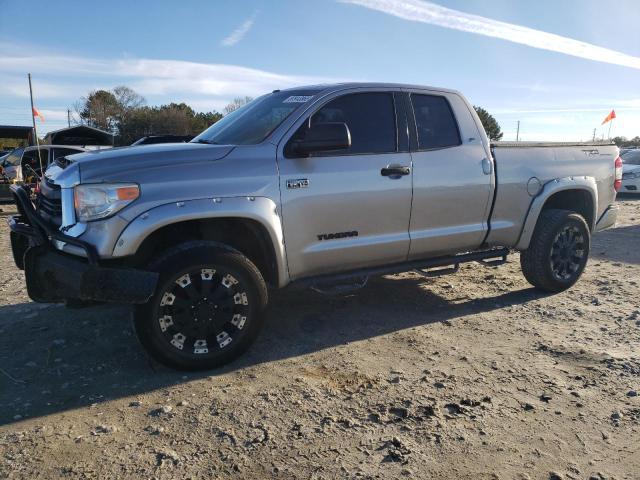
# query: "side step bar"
489,258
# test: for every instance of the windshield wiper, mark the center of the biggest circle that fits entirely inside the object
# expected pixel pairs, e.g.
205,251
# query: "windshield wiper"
208,142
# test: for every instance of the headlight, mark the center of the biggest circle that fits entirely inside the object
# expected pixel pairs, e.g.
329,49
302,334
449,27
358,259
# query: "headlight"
101,200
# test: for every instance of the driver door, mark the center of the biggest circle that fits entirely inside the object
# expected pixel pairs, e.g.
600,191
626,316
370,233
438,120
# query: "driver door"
344,210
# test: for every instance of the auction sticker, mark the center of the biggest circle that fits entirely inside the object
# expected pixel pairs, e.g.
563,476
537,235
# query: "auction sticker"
298,99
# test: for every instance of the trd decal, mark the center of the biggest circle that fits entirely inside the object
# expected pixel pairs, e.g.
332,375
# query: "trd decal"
333,236
295,183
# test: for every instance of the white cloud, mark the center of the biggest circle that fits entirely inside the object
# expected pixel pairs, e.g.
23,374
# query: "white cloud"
239,33
60,79
60,75
19,86
427,12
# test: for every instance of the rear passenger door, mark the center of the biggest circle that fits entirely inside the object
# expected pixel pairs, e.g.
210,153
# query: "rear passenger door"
346,209
452,176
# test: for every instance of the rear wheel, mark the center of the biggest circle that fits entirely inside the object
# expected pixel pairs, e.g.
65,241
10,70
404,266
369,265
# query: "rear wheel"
558,251
208,307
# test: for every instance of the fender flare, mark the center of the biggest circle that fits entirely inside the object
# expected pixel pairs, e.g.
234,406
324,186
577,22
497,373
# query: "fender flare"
587,184
260,209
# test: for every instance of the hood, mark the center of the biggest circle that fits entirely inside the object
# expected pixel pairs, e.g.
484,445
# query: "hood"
96,164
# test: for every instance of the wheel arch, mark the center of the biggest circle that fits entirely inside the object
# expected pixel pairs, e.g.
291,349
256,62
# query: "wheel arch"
578,194
250,225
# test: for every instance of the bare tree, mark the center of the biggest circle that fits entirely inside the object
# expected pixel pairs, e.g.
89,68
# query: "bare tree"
236,104
128,98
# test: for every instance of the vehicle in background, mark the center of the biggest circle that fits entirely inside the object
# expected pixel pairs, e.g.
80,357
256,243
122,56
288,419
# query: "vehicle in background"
23,163
624,150
154,139
631,171
315,186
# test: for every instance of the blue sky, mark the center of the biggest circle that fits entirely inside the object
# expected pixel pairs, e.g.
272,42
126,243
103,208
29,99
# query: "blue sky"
499,53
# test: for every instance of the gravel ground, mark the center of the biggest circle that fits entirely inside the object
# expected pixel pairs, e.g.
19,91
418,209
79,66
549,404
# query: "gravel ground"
474,375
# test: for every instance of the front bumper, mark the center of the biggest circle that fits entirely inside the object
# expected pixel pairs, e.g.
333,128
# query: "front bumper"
52,276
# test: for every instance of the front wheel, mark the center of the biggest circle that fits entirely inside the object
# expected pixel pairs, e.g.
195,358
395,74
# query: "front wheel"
558,251
208,307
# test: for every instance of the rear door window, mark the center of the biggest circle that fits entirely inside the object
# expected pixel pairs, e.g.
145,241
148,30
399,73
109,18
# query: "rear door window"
435,124
370,117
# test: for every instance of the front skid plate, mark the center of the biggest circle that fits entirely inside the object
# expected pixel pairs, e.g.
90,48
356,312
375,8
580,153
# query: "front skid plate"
55,277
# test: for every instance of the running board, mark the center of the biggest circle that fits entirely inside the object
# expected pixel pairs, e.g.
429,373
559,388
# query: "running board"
497,256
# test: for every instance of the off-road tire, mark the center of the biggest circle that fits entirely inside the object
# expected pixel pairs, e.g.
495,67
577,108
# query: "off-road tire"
540,261
174,326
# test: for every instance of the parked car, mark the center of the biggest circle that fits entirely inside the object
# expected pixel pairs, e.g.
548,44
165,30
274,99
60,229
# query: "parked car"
312,186
154,139
631,171
23,163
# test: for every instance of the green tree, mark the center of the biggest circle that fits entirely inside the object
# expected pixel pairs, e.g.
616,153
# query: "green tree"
171,119
625,142
106,109
203,120
99,109
489,123
123,112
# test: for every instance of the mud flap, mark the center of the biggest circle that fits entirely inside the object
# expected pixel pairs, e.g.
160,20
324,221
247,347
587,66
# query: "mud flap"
54,277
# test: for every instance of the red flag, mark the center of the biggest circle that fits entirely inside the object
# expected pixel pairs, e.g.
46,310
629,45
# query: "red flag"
36,113
609,117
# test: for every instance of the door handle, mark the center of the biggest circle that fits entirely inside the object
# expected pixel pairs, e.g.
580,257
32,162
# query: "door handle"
487,168
395,171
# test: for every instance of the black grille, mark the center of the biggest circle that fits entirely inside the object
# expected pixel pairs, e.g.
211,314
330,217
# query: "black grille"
49,202
50,206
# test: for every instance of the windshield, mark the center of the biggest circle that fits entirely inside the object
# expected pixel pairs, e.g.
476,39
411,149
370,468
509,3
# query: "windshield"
13,159
252,123
631,158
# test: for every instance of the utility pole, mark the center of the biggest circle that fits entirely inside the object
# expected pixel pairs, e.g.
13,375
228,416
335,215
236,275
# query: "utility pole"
69,117
35,131
518,132
594,135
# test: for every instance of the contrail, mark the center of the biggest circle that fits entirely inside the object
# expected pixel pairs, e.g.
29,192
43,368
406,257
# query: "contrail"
239,33
427,12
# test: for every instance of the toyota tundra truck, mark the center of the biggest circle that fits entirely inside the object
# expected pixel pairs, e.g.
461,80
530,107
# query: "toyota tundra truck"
317,186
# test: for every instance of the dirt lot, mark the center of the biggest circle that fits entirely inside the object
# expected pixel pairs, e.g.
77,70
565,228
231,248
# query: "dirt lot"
474,375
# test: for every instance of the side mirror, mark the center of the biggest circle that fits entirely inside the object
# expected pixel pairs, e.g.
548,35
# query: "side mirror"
323,137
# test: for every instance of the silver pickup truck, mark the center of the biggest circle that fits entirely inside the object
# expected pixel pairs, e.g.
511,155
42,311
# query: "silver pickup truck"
316,186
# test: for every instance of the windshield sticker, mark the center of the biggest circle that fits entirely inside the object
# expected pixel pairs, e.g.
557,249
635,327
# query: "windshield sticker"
298,99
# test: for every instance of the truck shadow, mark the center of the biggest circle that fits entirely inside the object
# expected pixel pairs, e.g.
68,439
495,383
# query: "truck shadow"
53,359
613,245
628,196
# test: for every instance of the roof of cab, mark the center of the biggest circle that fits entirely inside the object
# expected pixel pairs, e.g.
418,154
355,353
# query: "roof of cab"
331,87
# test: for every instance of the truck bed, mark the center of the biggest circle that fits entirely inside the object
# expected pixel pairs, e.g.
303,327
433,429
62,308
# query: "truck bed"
524,168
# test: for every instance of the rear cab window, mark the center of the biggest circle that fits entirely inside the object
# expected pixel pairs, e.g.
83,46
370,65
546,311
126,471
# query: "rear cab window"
436,126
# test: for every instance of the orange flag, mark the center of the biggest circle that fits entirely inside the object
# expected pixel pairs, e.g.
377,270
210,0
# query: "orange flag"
609,117
36,113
